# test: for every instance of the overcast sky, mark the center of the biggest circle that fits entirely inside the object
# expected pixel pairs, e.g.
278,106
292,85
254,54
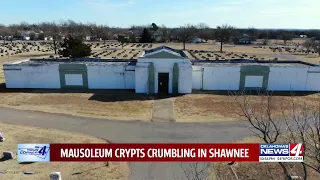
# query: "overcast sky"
301,14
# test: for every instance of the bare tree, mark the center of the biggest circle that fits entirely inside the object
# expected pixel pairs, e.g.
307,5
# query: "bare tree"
261,120
303,126
186,33
205,32
308,44
223,34
196,170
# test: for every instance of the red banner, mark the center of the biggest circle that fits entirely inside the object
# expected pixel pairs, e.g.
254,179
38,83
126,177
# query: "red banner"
155,152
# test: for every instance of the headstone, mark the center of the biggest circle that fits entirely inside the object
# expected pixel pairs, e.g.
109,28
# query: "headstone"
8,155
55,176
2,137
29,172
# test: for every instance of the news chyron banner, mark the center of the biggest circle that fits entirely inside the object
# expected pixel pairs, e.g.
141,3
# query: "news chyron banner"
161,152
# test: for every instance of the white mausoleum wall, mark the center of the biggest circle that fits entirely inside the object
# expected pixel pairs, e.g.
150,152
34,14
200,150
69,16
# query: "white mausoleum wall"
185,78
287,78
313,79
197,73
41,76
221,78
141,77
110,77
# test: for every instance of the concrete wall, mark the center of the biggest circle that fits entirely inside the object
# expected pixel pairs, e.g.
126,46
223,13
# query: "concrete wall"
197,73
185,78
288,78
313,80
221,78
141,77
40,76
111,77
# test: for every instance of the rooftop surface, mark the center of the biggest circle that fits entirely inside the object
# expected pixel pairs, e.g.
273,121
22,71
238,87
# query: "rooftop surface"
94,61
178,52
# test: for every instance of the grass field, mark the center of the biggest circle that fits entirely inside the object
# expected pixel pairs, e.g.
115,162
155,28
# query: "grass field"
92,170
215,107
115,105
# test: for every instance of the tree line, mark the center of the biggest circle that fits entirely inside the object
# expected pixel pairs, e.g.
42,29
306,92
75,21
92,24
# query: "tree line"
147,33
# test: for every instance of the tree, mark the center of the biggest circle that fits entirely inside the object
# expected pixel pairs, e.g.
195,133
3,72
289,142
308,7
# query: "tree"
145,37
286,37
204,32
223,34
261,120
186,33
316,46
32,36
308,44
303,126
41,36
154,27
122,39
74,48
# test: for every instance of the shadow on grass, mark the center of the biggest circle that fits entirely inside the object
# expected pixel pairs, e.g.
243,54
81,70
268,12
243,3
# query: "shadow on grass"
26,163
92,169
4,159
130,95
98,95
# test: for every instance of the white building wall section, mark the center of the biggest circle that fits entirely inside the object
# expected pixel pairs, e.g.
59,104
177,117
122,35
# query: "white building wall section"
313,79
74,79
110,77
221,78
253,81
40,76
287,78
141,77
185,78
197,73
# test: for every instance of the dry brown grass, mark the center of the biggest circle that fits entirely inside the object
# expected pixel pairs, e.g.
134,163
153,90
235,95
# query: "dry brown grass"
212,107
260,171
20,134
116,105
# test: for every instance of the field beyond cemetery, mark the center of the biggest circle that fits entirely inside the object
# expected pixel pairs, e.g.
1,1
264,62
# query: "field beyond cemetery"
15,134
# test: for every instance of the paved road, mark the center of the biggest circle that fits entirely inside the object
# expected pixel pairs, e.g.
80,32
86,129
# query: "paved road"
134,132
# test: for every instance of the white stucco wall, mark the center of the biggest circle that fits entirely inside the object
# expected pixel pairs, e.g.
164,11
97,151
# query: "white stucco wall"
185,78
287,78
141,77
74,79
110,77
43,76
221,78
197,77
313,79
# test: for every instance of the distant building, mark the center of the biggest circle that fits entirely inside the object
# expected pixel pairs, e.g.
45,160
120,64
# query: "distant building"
244,39
197,40
303,36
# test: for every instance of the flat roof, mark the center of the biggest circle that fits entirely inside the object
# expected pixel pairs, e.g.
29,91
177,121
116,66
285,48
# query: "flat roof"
240,62
88,61
95,61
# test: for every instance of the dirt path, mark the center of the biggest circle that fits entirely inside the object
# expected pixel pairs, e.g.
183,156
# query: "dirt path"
134,132
163,110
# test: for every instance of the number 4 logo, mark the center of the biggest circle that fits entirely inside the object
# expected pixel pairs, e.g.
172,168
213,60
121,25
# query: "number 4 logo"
296,149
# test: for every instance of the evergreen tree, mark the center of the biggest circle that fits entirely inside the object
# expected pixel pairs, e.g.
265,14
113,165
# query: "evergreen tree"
145,37
74,48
